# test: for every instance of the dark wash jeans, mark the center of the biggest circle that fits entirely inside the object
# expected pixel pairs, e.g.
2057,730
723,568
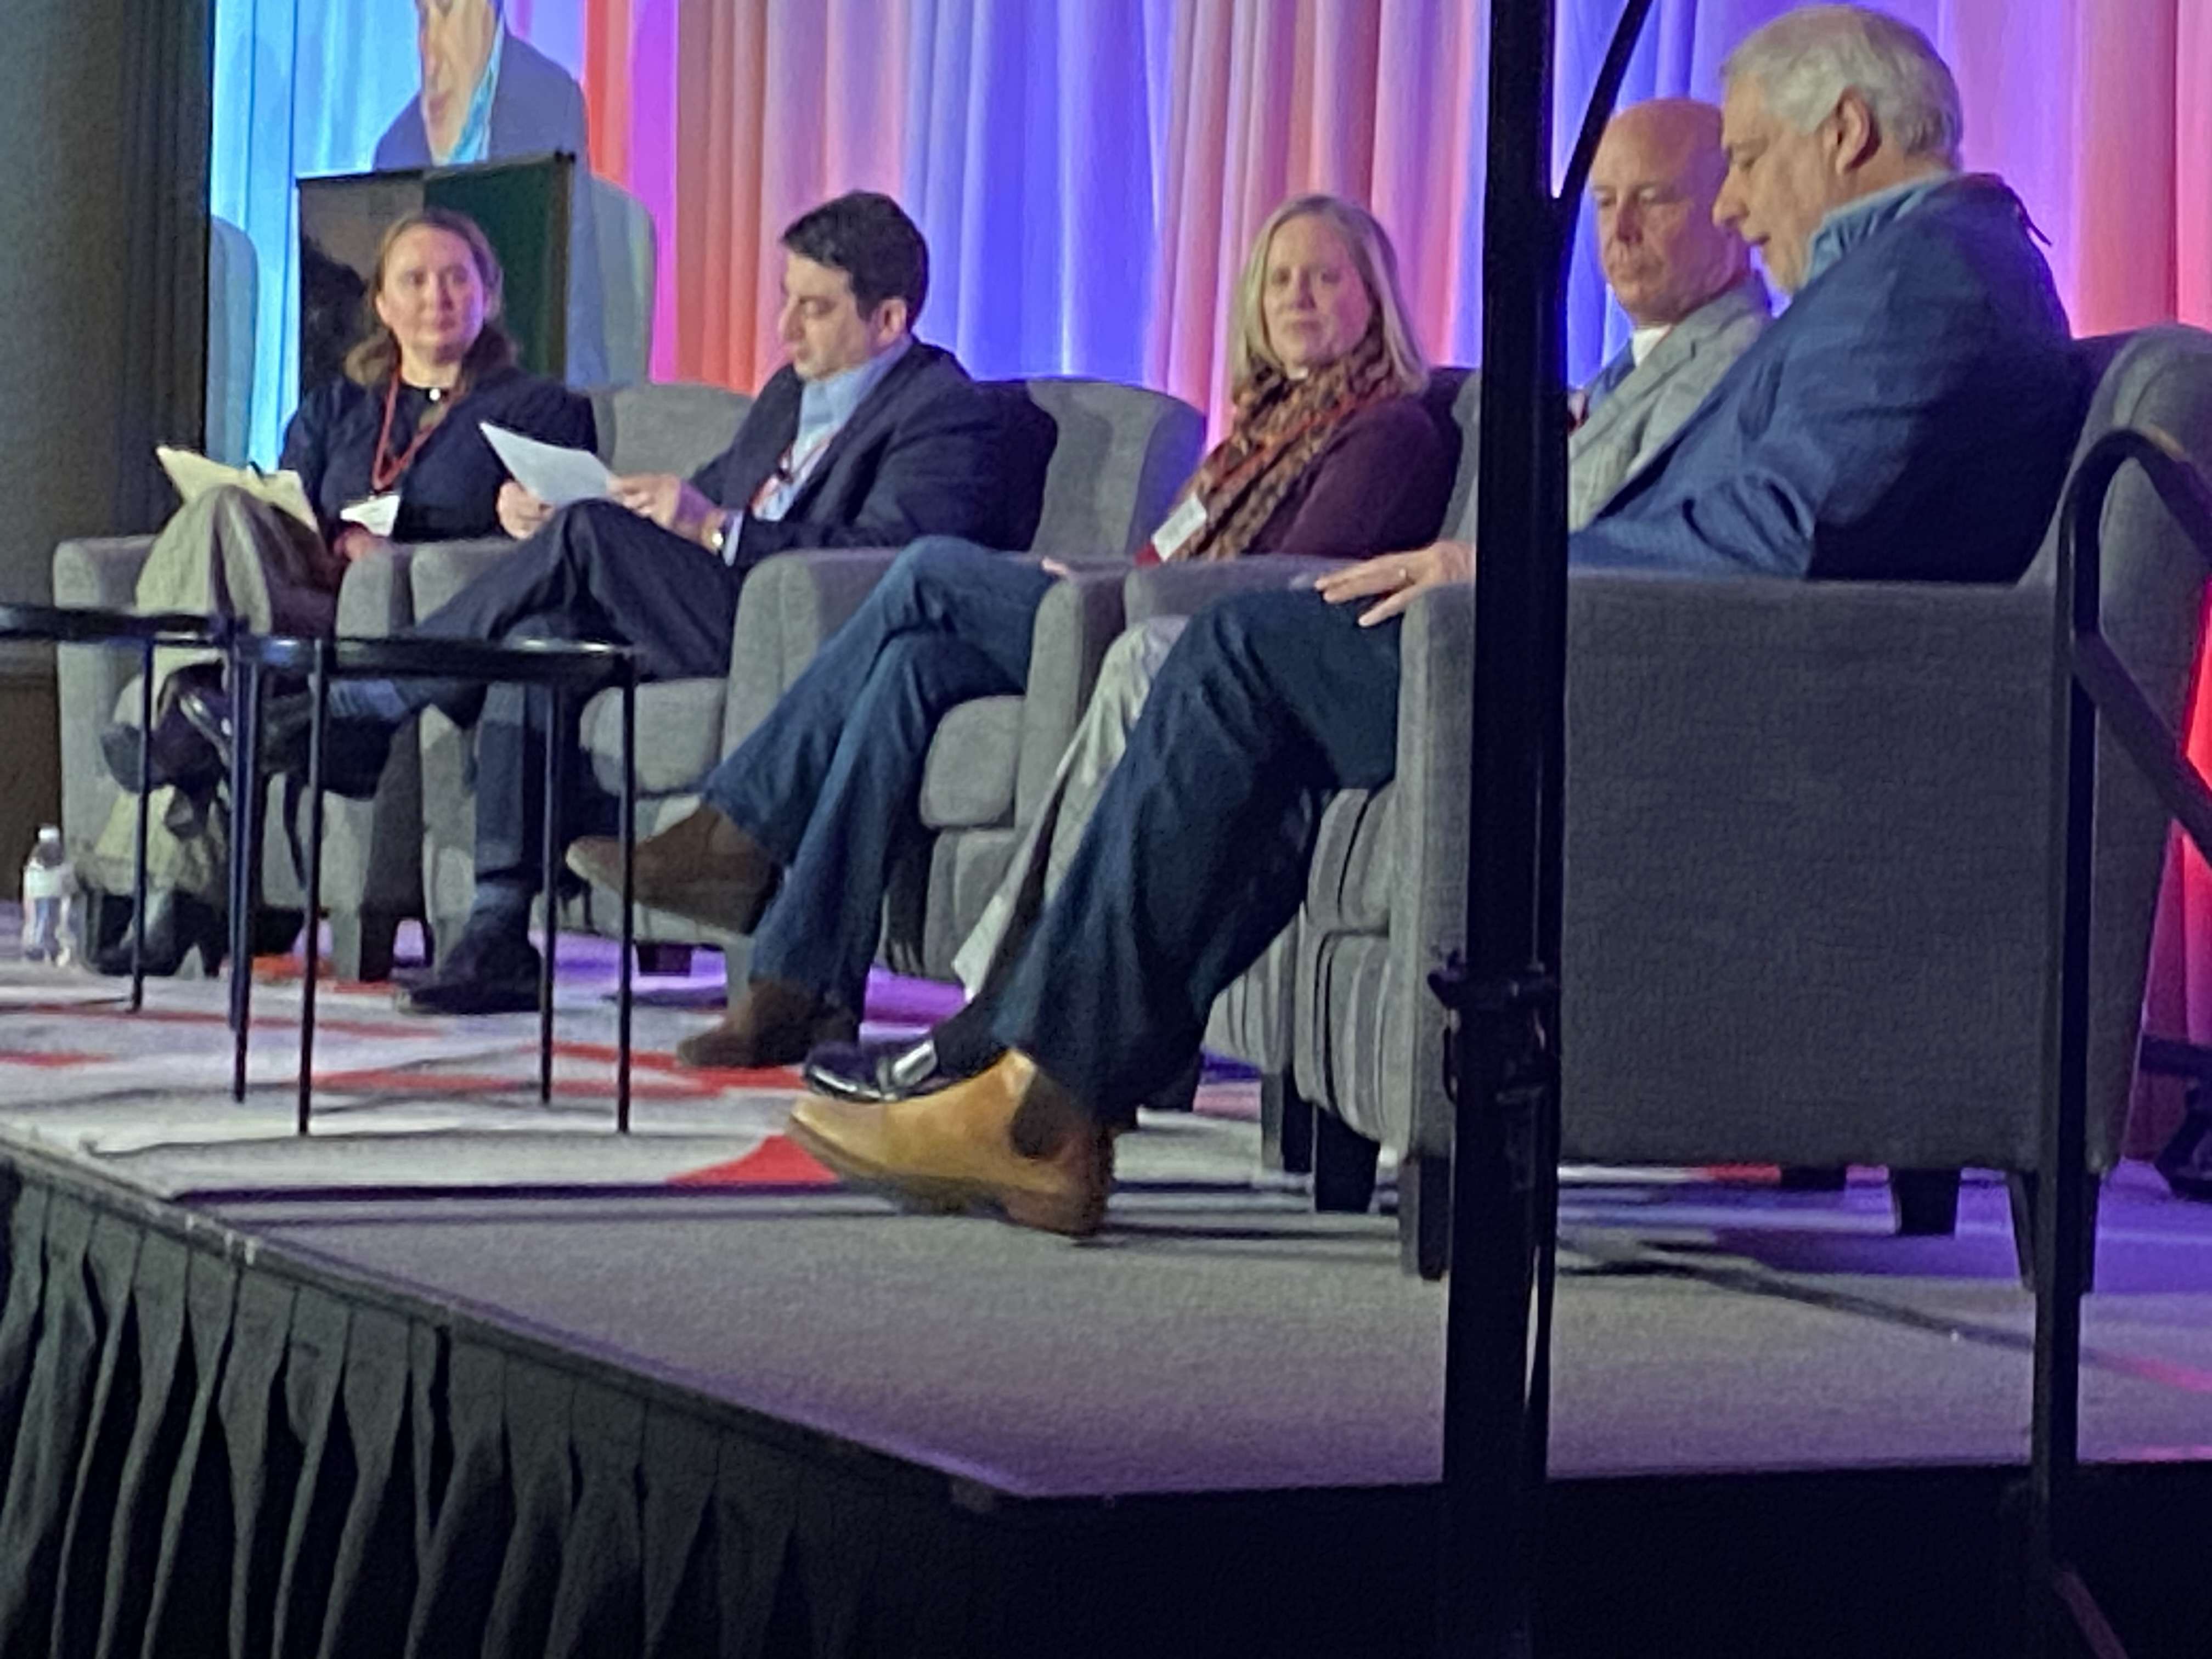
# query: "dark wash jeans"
1178,886
830,781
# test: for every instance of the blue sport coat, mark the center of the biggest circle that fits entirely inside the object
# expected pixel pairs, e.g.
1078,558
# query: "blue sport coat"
1910,417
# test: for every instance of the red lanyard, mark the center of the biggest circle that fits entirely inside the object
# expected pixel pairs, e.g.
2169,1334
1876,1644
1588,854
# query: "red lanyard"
385,470
789,471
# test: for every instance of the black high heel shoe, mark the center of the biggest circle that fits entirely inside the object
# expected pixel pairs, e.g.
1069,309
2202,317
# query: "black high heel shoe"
177,925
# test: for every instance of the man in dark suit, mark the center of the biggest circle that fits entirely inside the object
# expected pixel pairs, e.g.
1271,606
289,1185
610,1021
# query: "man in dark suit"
867,438
1908,418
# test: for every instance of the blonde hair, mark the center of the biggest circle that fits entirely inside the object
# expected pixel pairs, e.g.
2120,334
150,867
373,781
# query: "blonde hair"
1372,257
375,358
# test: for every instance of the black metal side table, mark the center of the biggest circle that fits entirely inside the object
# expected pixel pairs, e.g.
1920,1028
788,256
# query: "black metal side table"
146,632
562,668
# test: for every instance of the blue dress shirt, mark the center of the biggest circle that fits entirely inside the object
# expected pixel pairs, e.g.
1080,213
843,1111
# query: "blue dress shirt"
474,143
825,407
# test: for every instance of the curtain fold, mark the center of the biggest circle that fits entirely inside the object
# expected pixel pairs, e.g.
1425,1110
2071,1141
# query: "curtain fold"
1089,171
165,108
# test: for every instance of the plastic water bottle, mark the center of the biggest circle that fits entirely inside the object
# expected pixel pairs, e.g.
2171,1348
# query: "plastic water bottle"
49,897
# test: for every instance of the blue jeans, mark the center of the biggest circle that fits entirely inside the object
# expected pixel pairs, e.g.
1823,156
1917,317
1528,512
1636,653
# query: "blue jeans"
1183,878
830,781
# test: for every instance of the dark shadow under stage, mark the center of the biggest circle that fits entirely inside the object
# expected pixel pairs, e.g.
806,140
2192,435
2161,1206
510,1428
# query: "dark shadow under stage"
787,1423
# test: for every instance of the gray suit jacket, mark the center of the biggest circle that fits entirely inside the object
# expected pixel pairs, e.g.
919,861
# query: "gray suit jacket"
1628,429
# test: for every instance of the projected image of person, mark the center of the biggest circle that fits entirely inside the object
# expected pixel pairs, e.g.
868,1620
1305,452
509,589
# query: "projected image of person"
1328,452
391,451
485,92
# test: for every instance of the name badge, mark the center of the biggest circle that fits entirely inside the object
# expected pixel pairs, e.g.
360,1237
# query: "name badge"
376,514
1184,523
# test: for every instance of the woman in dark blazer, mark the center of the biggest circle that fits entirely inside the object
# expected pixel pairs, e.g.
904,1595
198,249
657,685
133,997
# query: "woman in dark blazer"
393,451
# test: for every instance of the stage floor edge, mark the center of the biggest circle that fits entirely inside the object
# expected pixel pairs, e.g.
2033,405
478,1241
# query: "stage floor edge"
636,1514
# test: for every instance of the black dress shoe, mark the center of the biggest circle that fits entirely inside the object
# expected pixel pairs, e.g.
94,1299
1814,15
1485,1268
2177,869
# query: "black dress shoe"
898,1069
177,925
488,971
353,751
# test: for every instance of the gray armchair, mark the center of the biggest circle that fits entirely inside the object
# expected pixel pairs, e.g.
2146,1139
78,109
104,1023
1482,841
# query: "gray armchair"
1807,902
1118,453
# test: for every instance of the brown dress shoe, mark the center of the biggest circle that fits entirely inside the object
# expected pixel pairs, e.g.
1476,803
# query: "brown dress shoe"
1010,1142
703,867
773,1023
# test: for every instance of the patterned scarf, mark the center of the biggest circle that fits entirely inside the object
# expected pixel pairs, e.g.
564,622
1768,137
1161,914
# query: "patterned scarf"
1278,427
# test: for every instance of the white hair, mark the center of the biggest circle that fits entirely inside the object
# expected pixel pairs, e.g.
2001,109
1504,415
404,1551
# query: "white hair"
1805,60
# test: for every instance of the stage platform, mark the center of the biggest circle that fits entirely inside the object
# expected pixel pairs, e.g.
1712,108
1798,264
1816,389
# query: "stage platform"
722,1406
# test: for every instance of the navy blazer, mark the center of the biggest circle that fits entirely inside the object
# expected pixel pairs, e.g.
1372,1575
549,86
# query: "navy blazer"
536,107
927,453
1909,418
451,489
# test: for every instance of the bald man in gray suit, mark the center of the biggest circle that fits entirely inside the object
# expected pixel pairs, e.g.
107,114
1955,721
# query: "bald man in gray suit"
1686,284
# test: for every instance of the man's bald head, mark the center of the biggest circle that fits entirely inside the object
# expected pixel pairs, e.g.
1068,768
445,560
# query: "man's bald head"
1658,168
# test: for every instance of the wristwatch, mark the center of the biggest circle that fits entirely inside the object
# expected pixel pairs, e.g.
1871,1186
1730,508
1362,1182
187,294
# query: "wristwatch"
718,533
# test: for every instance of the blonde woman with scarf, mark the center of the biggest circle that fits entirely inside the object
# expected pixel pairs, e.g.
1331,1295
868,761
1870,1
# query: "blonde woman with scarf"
1329,451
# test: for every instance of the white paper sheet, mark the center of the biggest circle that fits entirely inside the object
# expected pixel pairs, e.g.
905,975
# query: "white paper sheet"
376,514
555,476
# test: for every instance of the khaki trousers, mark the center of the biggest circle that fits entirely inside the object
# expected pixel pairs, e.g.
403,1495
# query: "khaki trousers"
224,554
1042,855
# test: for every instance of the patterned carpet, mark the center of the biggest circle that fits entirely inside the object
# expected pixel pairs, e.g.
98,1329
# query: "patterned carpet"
402,1103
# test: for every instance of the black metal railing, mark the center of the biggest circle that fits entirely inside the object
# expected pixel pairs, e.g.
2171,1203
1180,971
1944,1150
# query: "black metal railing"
2093,686
1505,1134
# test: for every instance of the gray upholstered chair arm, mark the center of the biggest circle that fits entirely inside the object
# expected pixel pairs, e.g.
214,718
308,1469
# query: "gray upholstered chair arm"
438,571
1730,873
1080,617
791,603
1726,867
101,571
1428,886
1184,590
377,597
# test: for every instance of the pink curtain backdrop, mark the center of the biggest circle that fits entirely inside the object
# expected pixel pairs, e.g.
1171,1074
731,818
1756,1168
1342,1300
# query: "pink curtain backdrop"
1063,153
1193,117
1089,173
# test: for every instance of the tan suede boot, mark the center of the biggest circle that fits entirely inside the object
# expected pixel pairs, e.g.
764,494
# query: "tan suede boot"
771,1024
703,867
1011,1142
